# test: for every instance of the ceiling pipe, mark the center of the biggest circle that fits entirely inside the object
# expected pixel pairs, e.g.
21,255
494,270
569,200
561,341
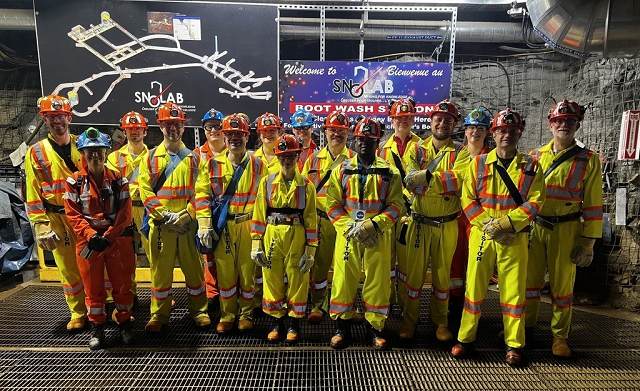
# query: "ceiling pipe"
17,19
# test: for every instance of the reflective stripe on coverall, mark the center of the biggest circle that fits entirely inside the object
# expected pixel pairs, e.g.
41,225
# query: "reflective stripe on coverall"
123,161
398,250
210,272
314,170
425,242
89,214
285,244
380,199
484,196
235,267
574,186
177,193
46,175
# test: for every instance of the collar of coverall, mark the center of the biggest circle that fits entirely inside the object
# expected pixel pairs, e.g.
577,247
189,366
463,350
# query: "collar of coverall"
549,147
324,152
297,178
493,157
427,142
161,150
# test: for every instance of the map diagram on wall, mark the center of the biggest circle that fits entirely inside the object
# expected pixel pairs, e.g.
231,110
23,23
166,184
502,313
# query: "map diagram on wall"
141,72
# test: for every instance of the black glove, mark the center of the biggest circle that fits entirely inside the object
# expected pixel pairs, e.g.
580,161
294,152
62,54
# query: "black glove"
98,243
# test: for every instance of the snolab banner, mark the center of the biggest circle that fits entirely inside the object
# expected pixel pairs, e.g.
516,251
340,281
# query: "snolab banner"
361,87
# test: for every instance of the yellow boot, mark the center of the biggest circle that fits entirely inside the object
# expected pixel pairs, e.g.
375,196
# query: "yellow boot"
560,348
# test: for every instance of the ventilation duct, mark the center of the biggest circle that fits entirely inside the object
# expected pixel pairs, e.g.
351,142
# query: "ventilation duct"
585,28
17,19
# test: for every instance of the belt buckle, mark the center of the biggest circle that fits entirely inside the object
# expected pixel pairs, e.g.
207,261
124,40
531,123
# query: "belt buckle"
434,223
296,221
545,223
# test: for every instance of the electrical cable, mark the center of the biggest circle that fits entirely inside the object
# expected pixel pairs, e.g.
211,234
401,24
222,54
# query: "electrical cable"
495,63
31,137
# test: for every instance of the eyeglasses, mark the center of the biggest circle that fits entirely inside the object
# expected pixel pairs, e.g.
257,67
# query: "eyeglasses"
93,152
53,117
172,125
446,121
337,131
505,131
567,121
288,156
233,135
472,128
210,127
303,128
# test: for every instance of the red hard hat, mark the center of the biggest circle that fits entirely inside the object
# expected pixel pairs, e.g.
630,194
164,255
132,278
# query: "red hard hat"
54,104
446,107
170,112
366,127
566,109
507,119
288,143
267,122
235,123
336,119
133,120
404,107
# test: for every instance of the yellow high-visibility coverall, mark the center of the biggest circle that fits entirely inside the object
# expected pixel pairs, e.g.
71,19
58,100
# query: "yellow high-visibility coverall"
485,196
379,199
436,243
315,168
574,186
236,269
46,175
177,193
398,250
284,244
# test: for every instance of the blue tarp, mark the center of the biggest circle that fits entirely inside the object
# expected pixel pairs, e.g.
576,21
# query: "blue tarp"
16,237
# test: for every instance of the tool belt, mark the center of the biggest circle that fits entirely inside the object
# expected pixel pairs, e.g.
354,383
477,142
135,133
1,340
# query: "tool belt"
549,222
129,231
54,208
137,203
283,219
433,221
322,214
239,218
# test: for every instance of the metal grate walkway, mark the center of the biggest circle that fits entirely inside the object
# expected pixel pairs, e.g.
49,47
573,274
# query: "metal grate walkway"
37,353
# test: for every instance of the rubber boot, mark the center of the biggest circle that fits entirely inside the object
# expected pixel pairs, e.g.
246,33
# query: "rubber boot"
97,336
378,341
293,333
126,332
342,335
512,357
276,332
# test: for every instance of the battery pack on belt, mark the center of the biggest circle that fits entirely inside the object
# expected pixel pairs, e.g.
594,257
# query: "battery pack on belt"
549,222
280,219
433,221
239,218
137,203
322,214
54,208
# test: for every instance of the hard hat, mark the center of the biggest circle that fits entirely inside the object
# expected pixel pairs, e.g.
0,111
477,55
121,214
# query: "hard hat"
54,104
336,119
566,109
170,112
446,107
478,117
302,118
366,127
212,114
288,143
268,122
403,107
133,120
93,138
507,119
235,123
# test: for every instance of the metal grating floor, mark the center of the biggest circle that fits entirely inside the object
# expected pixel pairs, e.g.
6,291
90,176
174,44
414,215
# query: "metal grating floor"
37,353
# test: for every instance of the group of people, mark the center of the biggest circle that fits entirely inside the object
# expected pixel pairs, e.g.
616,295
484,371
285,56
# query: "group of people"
390,209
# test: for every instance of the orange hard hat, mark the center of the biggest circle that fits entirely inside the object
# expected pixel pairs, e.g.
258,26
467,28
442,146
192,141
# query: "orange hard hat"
507,119
54,104
446,107
267,122
170,112
336,119
566,109
133,120
288,143
366,127
403,107
235,123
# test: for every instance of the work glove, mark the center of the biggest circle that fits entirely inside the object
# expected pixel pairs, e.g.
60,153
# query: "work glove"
206,234
98,243
582,254
257,253
499,230
177,222
417,178
170,218
46,238
370,242
306,261
363,229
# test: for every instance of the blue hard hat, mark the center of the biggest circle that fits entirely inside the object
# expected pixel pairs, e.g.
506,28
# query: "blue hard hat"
92,138
478,117
212,114
301,118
